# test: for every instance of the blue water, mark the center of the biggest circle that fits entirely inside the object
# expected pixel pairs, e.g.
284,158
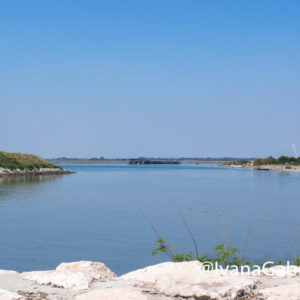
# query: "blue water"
95,214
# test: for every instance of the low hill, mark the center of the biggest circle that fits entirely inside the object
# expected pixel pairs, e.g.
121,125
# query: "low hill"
23,161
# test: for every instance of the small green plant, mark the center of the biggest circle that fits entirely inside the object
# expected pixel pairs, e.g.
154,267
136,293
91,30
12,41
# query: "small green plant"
226,255
162,247
297,261
183,257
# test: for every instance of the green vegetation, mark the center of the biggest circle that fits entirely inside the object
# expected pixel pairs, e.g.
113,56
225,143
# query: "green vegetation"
23,161
297,261
224,254
280,161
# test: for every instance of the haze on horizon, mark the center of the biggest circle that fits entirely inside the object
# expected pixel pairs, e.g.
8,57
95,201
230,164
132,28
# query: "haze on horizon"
150,78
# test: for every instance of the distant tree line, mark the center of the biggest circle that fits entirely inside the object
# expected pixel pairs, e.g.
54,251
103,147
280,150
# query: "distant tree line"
279,161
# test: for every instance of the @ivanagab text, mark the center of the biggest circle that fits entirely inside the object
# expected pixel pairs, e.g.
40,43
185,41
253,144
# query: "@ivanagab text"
269,268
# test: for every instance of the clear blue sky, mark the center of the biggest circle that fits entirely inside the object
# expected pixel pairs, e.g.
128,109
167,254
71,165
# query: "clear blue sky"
150,78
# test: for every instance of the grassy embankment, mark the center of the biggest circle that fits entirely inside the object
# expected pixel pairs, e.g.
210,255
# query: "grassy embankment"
23,161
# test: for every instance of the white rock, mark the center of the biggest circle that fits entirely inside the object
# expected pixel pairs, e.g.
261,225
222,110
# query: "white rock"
75,275
64,279
113,294
48,170
186,279
7,295
4,171
282,292
97,270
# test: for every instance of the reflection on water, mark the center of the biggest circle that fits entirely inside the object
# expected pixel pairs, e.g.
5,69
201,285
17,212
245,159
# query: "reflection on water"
21,180
263,173
12,183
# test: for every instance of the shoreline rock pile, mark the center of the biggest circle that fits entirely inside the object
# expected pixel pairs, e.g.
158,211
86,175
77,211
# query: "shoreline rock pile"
41,171
87,280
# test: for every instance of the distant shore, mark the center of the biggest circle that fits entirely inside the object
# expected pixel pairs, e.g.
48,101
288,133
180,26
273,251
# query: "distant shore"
127,161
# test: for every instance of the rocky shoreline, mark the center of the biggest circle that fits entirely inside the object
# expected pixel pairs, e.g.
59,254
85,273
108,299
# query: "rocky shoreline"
35,172
87,280
280,168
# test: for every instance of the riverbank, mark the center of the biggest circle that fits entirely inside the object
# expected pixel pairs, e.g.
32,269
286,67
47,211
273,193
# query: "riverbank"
166,281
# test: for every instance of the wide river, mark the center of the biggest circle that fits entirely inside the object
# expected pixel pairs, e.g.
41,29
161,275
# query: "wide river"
95,214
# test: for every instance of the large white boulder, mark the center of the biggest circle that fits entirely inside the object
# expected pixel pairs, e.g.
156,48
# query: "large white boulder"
64,279
75,275
97,270
187,279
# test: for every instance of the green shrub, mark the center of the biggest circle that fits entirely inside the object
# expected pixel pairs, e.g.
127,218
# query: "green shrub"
297,261
226,255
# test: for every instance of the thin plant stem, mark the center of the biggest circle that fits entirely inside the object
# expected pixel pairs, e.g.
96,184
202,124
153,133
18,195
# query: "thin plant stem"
246,243
190,232
169,252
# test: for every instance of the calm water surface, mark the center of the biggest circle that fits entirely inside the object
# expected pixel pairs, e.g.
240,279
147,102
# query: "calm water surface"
95,214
